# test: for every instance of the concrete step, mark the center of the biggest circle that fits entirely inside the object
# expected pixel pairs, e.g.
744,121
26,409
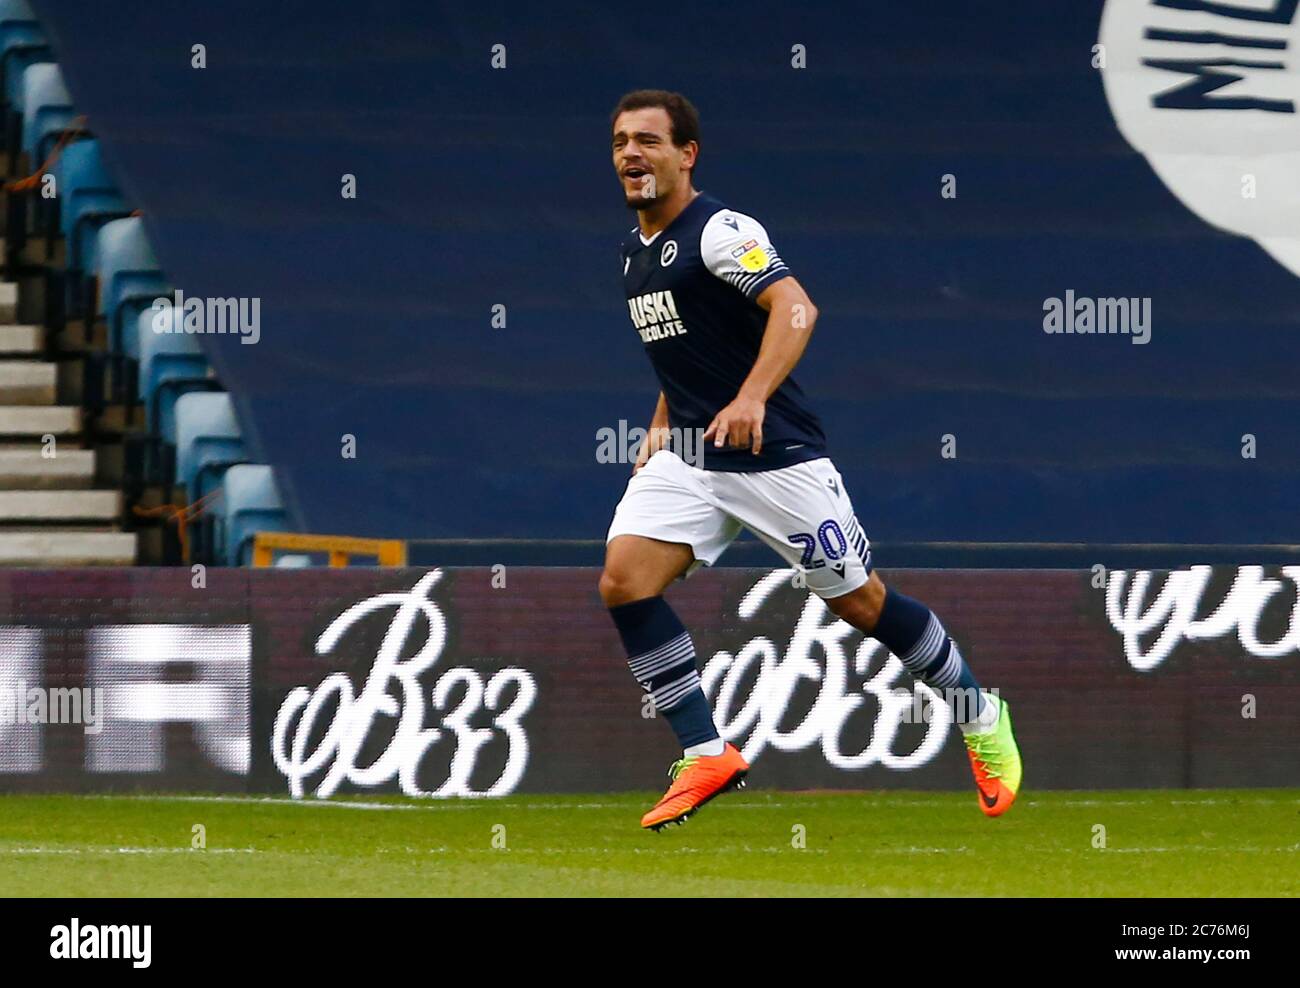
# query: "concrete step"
18,339
27,469
27,444
41,506
70,548
39,420
26,382
8,301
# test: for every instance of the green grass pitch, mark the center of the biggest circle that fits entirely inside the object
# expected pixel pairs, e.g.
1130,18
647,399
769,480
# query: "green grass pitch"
1157,843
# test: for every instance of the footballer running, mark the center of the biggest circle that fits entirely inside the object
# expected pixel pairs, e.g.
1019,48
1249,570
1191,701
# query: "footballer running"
724,323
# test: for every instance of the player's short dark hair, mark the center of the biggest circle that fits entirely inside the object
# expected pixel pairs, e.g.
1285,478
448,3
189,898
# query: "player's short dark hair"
685,118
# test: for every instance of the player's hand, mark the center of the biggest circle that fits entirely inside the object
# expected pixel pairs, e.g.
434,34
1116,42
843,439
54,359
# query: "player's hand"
740,424
655,440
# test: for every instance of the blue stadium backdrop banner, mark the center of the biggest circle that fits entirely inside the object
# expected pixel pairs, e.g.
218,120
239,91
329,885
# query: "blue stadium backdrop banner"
961,187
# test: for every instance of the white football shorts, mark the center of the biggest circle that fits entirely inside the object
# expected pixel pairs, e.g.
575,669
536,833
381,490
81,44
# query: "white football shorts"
801,511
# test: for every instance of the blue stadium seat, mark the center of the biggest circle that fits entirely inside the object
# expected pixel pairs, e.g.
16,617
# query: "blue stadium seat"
171,364
22,43
250,504
47,109
129,278
87,197
208,440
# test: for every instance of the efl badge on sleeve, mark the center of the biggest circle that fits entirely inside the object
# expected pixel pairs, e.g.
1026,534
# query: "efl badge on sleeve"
751,256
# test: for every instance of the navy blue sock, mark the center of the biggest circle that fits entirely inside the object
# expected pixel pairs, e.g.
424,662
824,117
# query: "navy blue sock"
910,630
662,658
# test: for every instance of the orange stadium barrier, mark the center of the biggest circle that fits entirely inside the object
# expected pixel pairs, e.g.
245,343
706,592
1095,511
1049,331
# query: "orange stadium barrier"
341,548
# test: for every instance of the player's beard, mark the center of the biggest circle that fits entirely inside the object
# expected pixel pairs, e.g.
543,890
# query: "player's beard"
640,202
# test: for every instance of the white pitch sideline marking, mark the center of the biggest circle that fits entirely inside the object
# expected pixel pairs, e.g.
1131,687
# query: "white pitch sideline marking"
127,850
441,803
435,804
429,804
1208,801
1217,848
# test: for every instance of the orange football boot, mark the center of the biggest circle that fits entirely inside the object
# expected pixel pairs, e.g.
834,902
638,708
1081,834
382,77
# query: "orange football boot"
696,780
995,760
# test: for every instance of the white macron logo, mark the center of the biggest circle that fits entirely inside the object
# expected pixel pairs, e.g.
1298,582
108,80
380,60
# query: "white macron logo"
102,942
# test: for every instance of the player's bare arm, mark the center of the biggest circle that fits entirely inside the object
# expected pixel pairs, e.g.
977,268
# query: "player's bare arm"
791,316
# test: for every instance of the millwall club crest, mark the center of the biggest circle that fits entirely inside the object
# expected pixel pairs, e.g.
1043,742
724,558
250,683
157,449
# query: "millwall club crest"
668,254
1209,93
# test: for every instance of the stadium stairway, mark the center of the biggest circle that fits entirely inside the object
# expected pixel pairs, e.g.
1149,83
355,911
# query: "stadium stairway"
52,509
57,507
96,409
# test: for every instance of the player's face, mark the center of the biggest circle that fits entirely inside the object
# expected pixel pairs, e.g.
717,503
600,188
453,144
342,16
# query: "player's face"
648,164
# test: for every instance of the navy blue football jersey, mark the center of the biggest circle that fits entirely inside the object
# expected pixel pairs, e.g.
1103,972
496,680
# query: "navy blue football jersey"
690,292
